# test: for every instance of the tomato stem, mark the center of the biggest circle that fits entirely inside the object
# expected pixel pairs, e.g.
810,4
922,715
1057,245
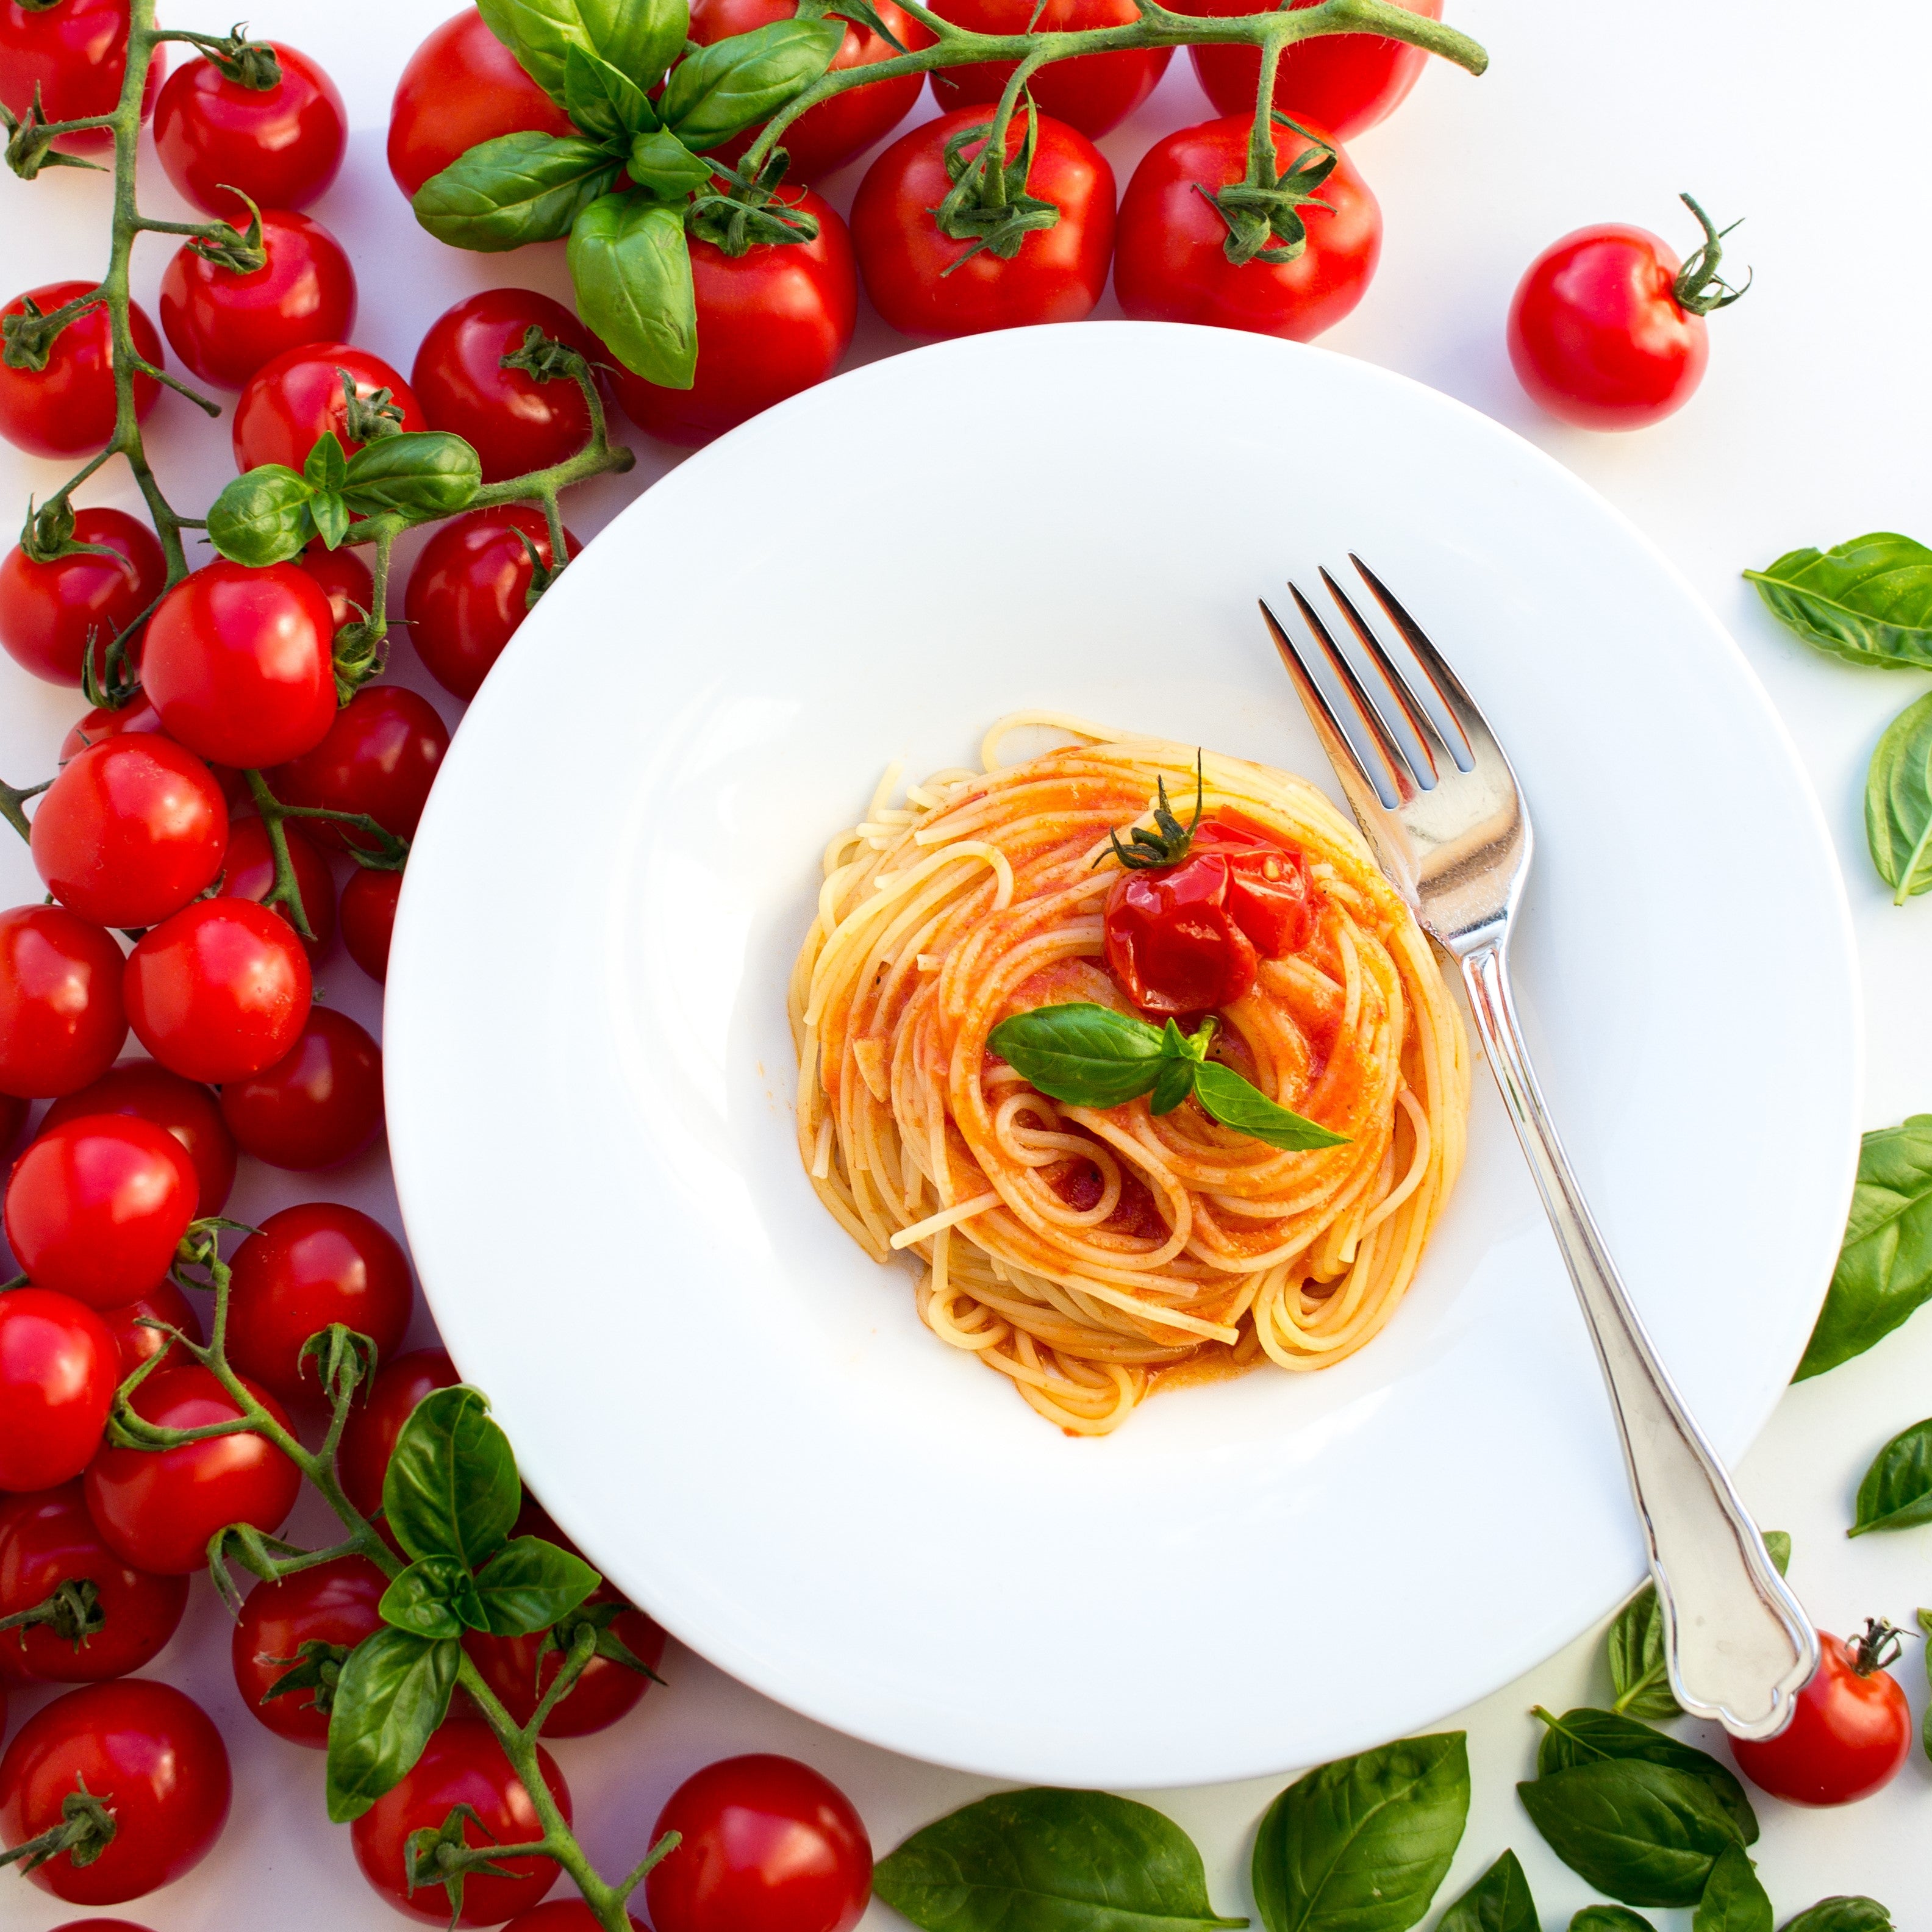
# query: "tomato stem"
1699,289
12,798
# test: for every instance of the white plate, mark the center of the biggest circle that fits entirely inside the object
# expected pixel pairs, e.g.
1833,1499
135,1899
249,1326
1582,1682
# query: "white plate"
590,1079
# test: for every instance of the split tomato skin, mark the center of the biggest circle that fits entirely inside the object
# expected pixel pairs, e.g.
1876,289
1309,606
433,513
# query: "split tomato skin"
280,146
249,873
335,1603
286,405
142,1089
368,912
369,1437
62,1019
1093,93
58,1370
1849,1736
47,610
67,408
75,54
469,589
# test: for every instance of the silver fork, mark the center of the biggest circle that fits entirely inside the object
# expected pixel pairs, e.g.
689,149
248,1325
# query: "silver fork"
1451,831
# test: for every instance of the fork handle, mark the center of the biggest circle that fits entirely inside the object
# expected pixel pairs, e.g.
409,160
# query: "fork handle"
1738,1643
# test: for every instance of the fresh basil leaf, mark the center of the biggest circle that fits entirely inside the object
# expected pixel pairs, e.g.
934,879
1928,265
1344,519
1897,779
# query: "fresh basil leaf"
1868,600
1778,1547
1896,1491
604,104
1638,1674
420,472
262,517
1588,1737
1172,1084
529,1585
1237,1103
392,1693
1843,1913
1361,1845
423,1599
1085,1054
1646,1834
662,162
722,89
1898,803
640,38
1610,1918
1050,1862
632,270
326,464
1734,1899
330,515
1499,1901
1885,1266
517,188
860,13
452,1488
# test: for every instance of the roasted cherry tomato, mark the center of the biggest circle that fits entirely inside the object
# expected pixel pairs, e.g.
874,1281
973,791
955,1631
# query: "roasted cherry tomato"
61,1019
286,404
925,283
141,1091
380,757
770,321
58,1370
1169,263
1094,93
249,872
764,1841
66,406
346,580
48,612
136,1341
279,146
299,1632
1850,1733
1268,893
1172,942
369,1437
320,1104
76,54
369,919
104,1618
469,589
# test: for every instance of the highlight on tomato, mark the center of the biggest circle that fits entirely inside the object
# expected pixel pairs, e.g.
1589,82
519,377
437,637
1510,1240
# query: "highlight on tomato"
380,757
62,1019
75,55
1094,93
248,872
60,401
51,608
142,1089
216,131
320,1104
471,587
58,1368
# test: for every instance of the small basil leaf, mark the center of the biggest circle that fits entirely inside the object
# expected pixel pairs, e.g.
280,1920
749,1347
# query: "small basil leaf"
1050,1862
1778,1547
1361,1845
1868,600
1586,1737
860,13
1898,803
1499,1901
1896,1491
604,103
452,1488
1646,1834
326,463
422,1600
262,518
1172,1084
1086,1055
1734,1899
1237,1103
529,1585
517,188
1885,1266
392,1693
640,38
632,270
721,89
421,472
1842,1914
662,162
1635,1649
1610,1918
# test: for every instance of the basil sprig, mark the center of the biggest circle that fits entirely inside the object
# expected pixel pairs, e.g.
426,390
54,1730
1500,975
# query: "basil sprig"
1896,1491
1091,1056
1868,600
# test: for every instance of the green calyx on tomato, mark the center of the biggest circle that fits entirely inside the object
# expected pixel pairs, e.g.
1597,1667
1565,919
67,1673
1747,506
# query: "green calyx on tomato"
1168,843
48,533
85,1830
29,333
1263,211
249,64
988,205
1700,290
227,247
29,148
749,215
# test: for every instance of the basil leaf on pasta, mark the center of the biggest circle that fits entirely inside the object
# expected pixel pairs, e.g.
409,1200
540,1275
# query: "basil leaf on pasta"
1868,600
1587,1737
1085,1054
1499,1901
1235,1103
1896,1491
1898,803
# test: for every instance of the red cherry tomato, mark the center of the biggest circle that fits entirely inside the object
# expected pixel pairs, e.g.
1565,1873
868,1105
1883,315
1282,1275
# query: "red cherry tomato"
249,872
1849,1734
134,1341
1344,82
152,1757
1169,265
141,1091
48,1540
1094,93
131,830
320,1104
770,322
924,284
555,1914
48,611
286,404
61,1019
58,1368
1268,892
369,1437
218,992
346,580
462,86
279,146
516,423
313,1618
468,592
519,1670
369,919
766,1841
96,1207
463,1764
137,715
237,662
67,406
157,1508
75,54
381,756
1172,942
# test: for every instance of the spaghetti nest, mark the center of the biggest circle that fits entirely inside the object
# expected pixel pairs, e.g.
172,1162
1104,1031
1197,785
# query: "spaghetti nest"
1085,1252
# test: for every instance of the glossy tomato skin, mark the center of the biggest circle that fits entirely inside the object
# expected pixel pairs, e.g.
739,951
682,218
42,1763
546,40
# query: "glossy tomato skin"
333,1603
1849,1736
218,992
555,1915
280,145
67,407
466,594
137,715
380,756
369,919
1596,335
320,1104
369,1437
1169,263
140,1089
249,872
766,1841
1094,93
346,580
287,404
75,54
134,1341
49,1539
770,322
62,1018
58,1369
519,1670
461,86
463,1764
47,609
1058,275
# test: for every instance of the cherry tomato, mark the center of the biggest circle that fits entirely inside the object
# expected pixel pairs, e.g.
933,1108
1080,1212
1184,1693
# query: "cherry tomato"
249,871
1268,891
134,1342
75,54
218,992
461,86
131,830
516,423
555,1914
369,919
825,137
766,1841
58,1370
307,1624
137,715
1345,82
48,611
158,1507
238,664
381,756
1850,1733
468,590
67,406
463,1764
519,1670
346,580
224,323
369,1437
141,1091
48,1540
924,283
1094,93
286,404
279,146
61,1019
770,322
1169,265
320,1104
97,1207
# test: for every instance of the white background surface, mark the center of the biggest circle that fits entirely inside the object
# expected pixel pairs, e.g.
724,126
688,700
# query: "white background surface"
1809,429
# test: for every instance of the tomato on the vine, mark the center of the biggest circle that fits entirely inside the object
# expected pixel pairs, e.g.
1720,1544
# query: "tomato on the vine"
137,715
1094,92
520,1669
48,612
1850,1733
75,56
380,757
249,873
470,589
279,146
369,1436
58,1370
135,1339
320,1104
300,1631
346,579
285,406
142,1090
65,407
369,919
61,1018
